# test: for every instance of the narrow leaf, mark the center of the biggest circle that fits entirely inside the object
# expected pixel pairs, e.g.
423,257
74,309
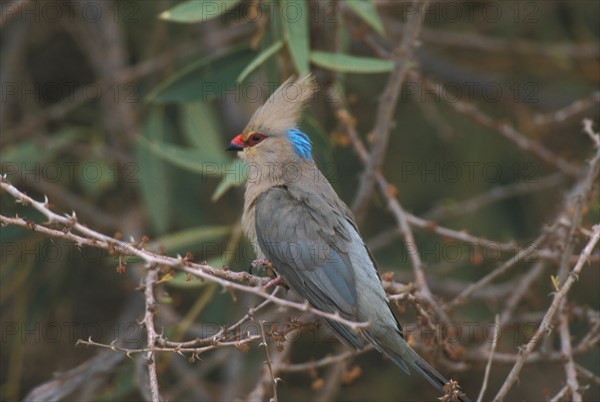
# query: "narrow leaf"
185,240
294,15
188,159
28,155
260,59
202,129
152,171
204,79
367,11
350,64
232,177
197,10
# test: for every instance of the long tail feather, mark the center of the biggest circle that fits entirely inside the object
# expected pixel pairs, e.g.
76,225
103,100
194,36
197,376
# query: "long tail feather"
434,378
410,357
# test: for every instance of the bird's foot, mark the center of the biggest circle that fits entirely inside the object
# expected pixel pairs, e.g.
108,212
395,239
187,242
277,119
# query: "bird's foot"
260,262
261,267
276,281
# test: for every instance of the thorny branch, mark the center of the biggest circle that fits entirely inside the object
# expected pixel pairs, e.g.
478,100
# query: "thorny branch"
581,193
546,322
503,127
151,307
582,190
512,292
488,366
69,228
227,279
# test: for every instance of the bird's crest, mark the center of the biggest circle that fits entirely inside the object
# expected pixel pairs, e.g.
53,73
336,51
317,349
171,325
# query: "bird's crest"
281,111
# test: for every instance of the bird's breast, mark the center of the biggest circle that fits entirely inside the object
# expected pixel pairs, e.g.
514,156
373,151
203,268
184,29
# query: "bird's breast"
249,221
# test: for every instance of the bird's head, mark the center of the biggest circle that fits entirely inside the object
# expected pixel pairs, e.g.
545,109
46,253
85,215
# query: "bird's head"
271,134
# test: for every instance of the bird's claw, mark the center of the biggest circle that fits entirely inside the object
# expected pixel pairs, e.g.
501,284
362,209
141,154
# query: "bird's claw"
277,281
262,266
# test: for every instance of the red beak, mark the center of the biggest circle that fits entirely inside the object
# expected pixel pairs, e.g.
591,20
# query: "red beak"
237,144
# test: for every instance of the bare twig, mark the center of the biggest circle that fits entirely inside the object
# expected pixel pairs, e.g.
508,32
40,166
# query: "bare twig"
581,192
585,373
326,361
227,279
417,263
545,325
560,394
346,121
151,307
268,361
523,286
589,130
498,193
573,109
532,358
270,373
502,127
445,38
401,216
488,366
402,59
567,350
219,335
503,268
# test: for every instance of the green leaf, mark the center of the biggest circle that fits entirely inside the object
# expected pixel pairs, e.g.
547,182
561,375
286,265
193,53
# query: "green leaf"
294,15
95,176
232,177
260,59
202,129
367,11
151,172
188,159
350,64
183,241
29,156
198,10
204,79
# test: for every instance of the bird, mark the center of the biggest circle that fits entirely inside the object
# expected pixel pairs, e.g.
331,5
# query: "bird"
295,220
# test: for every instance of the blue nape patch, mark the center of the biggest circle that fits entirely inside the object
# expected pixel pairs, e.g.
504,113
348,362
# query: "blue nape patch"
301,142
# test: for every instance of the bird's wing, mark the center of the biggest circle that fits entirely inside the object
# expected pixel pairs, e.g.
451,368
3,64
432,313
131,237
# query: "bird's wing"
306,238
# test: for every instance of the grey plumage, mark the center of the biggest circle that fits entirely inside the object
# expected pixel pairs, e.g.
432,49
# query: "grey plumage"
295,219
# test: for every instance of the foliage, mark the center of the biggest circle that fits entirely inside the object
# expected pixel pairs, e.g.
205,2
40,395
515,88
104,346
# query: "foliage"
121,112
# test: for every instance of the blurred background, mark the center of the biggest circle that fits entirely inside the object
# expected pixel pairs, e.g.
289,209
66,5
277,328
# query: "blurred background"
121,111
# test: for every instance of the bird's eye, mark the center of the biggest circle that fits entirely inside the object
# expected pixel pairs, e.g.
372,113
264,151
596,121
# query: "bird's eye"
255,139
